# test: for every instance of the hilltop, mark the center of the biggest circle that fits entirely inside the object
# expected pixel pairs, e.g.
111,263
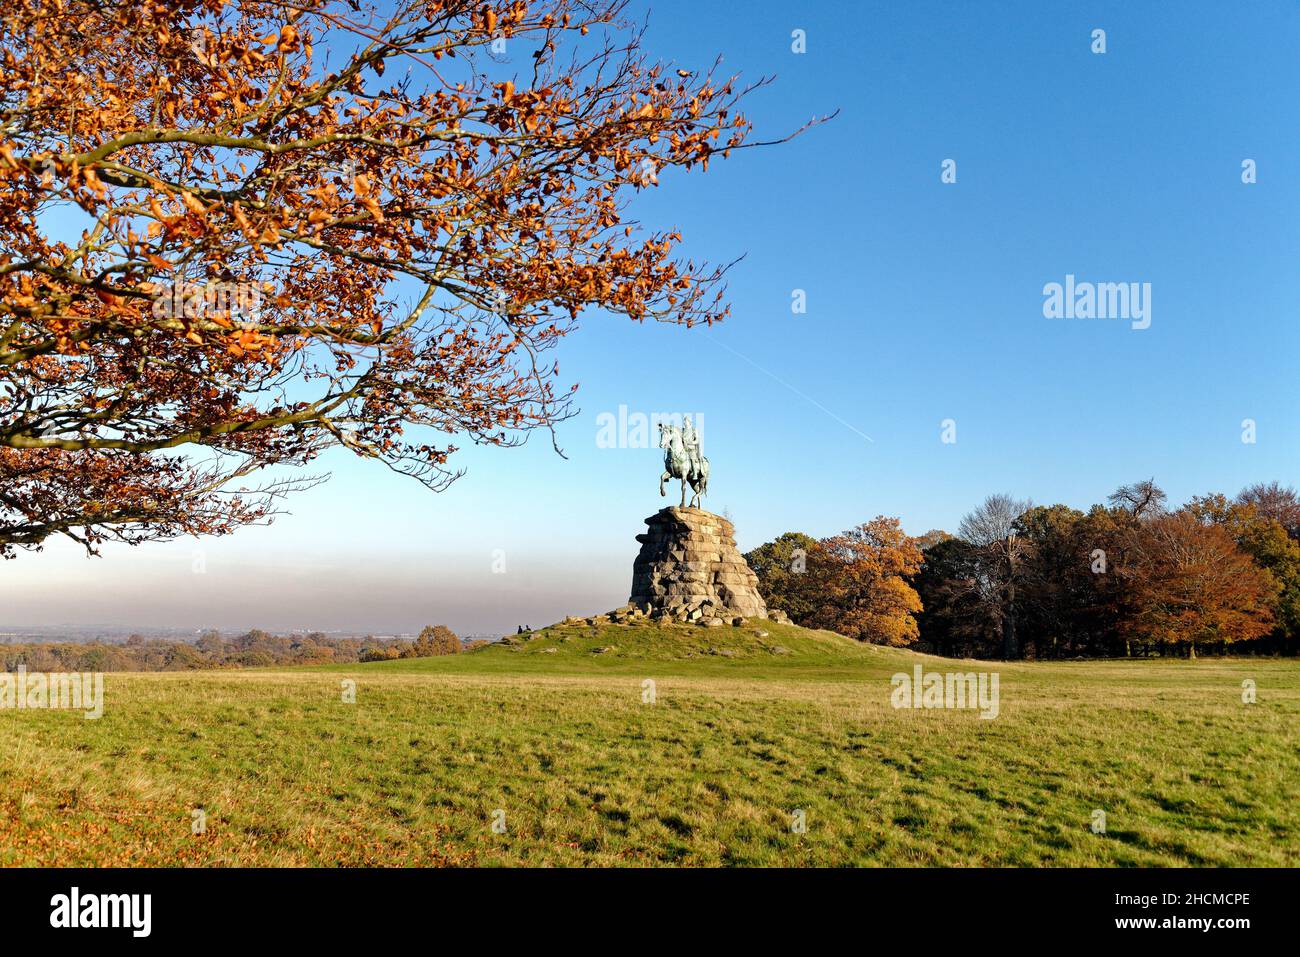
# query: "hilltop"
598,645
654,640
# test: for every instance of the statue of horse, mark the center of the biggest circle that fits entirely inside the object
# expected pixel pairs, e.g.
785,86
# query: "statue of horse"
680,463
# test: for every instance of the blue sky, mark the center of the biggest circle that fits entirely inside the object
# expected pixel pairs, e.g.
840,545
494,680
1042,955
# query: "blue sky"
924,303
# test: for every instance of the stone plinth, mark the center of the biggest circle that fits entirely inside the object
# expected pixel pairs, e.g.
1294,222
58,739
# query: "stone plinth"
689,569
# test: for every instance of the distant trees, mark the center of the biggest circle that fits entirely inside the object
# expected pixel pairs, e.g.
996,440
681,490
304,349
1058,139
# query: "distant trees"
434,640
253,649
1128,577
379,651
782,566
953,621
210,643
1059,602
856,583
1257,527
863,576
998,553
1141,500
1190,582
1274,502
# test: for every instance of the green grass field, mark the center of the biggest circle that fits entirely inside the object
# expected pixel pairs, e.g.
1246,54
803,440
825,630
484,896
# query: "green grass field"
743,732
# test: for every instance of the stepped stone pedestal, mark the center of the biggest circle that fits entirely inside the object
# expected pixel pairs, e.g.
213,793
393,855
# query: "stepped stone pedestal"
689,569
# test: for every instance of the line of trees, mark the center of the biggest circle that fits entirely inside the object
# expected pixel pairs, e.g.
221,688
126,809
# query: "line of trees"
253,649
434,640
1128,577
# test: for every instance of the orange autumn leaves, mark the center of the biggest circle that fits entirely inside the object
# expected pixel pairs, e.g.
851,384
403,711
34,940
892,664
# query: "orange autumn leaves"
857,583
276,253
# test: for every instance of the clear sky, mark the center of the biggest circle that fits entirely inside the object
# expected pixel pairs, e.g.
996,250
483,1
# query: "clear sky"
924,303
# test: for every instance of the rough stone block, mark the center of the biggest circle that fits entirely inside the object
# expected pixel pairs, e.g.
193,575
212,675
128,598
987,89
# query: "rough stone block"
690,569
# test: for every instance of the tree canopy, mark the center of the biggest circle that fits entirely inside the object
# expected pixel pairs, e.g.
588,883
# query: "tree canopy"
235,234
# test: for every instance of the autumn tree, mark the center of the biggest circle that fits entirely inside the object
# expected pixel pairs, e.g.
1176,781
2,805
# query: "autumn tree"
1260,534
236,234
1275,501
861,582
1191,583
434,640
856,583
933,537
211,644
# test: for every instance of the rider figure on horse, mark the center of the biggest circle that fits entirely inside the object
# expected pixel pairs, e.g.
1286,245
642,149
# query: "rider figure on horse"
683,460
691,439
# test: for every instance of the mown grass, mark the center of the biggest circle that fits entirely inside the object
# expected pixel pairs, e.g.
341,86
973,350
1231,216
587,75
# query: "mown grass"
710,773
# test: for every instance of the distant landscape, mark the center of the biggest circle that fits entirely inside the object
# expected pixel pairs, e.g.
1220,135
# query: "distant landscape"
253,649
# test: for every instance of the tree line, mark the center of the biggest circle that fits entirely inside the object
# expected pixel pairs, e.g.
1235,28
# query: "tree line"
1126,578
253,649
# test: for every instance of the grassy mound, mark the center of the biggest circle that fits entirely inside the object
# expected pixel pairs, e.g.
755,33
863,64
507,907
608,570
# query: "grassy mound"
604,647
654,641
